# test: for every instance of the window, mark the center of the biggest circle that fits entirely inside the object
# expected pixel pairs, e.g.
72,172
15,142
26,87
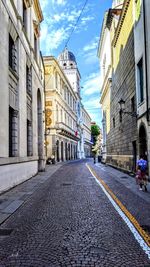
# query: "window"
35,46
13,135
61,115
24,17
140,80
57,114
56,80
12,54
133,104
29,138
28,80
10,132
11,45
68,97
114,122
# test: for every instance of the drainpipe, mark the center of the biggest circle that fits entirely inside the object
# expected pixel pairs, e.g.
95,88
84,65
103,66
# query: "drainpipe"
45,137
146,67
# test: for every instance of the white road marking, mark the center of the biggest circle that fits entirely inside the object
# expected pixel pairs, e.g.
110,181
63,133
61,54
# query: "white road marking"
137,236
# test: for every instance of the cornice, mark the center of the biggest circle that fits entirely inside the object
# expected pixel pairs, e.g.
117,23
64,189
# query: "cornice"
105,90
102,34
49,60
38,10
121,20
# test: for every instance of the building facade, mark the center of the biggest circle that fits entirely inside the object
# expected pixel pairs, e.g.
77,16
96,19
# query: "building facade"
105,55
68,63
61,118
142,69
68,133
86,126
121,140
22,92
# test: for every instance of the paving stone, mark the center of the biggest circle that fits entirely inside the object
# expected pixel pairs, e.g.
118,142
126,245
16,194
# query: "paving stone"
74,225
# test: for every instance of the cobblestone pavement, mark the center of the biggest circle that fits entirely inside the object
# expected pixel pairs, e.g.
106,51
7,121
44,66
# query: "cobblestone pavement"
69,221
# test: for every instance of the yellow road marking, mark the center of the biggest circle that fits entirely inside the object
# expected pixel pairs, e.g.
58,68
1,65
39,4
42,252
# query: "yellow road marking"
144,235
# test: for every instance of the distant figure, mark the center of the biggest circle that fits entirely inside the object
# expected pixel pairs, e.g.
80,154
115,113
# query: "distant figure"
142,166
138,177
94,158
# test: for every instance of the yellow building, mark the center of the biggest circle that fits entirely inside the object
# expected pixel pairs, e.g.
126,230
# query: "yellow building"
121,140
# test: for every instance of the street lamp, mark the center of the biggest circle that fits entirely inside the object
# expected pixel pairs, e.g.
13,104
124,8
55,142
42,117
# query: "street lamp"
122,109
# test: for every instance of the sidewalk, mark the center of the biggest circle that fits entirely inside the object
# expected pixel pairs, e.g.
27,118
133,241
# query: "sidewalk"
125,179
11,200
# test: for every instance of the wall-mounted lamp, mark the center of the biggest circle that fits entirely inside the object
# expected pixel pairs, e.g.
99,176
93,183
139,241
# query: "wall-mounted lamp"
123,110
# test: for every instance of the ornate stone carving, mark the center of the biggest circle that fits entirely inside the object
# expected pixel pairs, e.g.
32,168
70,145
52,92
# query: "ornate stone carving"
48,103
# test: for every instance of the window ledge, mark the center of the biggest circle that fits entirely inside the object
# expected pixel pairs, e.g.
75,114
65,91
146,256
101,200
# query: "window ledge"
16,160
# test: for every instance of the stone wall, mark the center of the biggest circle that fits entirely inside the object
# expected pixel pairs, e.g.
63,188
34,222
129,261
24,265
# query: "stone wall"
122,134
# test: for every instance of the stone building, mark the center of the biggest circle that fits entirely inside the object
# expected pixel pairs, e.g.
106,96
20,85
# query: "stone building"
86,126
22,92
142,69
121,140
68,125
105,55
61,118
68,63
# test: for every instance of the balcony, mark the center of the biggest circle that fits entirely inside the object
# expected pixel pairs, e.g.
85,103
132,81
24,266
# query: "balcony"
65,130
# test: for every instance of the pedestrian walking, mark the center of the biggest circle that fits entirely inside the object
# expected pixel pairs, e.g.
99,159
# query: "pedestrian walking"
138,177
94,157
142,167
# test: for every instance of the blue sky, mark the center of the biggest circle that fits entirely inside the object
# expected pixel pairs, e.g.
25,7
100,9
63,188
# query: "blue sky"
59,18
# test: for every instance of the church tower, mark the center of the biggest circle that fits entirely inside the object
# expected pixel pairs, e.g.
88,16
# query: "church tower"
68,63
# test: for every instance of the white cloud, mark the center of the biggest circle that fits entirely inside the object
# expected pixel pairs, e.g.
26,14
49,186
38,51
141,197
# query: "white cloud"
92,84
93,108
58,23
44,3
90,58
59,2
92,45
55,38
93,103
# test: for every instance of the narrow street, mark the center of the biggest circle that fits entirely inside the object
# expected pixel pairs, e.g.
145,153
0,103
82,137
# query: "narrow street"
69,221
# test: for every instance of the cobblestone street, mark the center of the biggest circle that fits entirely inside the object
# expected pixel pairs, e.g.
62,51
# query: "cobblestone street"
69,221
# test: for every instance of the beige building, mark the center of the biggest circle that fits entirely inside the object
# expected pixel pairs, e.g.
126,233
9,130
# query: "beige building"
68,63
61,119
105,56
22,93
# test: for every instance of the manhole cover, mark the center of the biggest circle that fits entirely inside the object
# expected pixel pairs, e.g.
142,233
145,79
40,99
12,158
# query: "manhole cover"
146,228
96,250
124,177
4,232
